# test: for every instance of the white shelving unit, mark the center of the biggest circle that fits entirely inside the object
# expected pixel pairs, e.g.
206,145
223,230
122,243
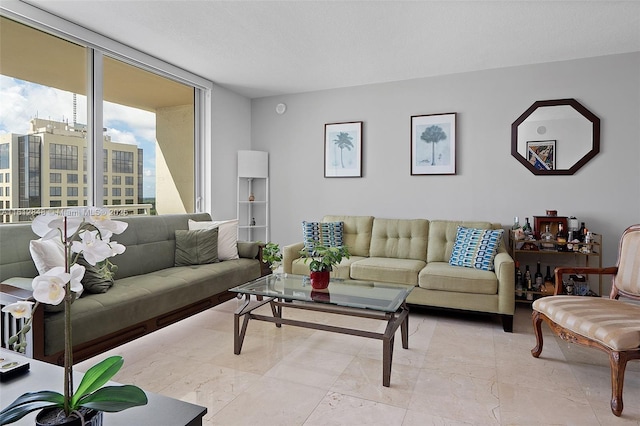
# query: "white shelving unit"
253,179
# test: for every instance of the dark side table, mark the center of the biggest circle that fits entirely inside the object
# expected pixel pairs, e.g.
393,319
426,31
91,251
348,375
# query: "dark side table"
159,411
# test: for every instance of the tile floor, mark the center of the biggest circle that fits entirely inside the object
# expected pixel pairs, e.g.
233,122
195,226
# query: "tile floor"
458,370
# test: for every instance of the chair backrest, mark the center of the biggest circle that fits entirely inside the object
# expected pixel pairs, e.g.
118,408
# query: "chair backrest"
626,282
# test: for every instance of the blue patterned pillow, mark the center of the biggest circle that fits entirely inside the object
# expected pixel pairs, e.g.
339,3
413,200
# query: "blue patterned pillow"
476,248
329,234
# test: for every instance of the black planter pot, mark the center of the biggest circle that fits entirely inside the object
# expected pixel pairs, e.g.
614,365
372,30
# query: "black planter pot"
55,417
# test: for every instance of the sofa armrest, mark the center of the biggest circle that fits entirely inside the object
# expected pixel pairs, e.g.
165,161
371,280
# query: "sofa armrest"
289,254
505,272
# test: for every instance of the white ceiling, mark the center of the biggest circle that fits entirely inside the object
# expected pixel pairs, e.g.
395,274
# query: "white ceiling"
263,48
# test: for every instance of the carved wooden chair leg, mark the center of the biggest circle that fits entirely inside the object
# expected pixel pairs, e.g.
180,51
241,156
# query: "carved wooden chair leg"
618,361
537,329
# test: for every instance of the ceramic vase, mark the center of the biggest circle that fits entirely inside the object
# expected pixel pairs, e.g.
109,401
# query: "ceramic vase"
319,279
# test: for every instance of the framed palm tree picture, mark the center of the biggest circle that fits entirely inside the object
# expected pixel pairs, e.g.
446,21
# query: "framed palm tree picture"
433,144
343,149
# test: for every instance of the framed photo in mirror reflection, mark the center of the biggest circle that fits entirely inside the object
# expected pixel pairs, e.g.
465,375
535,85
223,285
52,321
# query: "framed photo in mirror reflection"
542,154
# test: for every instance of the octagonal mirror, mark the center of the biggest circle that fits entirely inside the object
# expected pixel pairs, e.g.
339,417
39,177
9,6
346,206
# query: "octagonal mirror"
555,137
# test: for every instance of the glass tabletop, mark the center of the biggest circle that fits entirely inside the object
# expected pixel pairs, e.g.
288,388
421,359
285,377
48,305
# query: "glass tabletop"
378,296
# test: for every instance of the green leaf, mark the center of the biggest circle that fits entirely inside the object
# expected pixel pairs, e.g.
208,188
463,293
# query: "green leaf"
16,413
114,398
95,377
29,402
46,396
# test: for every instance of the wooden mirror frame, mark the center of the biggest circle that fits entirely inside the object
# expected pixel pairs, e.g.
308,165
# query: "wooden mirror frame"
595,143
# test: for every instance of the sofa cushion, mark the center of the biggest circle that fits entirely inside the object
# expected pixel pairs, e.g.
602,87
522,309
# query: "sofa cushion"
475,248
329,234
400,238
150,242
442,276
383,269
356,233
227,236
46,254
196,247
442,236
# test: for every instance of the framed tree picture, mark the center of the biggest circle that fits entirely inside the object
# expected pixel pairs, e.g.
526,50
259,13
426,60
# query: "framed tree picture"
343,149
542,154
433,144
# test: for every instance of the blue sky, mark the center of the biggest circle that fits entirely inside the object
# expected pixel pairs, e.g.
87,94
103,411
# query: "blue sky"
22,101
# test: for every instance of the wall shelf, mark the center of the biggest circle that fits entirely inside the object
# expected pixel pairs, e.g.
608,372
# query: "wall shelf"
253,181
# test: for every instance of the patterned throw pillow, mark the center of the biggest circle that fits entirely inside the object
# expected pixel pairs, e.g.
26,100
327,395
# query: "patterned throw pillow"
329,234
476,248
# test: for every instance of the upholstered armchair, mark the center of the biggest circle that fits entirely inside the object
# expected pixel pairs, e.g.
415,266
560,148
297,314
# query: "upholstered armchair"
610,325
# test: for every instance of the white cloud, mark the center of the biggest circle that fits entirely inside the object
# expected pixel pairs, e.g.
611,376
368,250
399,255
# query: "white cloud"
122,137
140,123
22,101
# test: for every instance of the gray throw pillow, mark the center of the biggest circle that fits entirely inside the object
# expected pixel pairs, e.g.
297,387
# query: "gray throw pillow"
97,278
196,247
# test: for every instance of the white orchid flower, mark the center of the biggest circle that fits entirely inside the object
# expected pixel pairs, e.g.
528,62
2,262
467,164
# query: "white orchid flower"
49,287
21,309
116,248
50,226
77,273
105,224
92,248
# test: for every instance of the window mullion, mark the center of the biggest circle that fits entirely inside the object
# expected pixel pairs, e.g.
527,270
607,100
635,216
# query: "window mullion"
95,133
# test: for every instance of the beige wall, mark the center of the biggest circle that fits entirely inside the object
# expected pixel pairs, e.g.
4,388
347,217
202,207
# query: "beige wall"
175,160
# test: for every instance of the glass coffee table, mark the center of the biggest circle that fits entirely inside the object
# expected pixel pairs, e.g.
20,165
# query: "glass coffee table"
365,299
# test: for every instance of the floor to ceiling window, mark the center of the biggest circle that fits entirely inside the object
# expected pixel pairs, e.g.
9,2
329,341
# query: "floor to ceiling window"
47,153
152,120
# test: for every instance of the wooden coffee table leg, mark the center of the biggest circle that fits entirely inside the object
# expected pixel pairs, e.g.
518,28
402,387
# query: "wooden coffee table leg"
404,329
238,334
399,319
276,310
387,360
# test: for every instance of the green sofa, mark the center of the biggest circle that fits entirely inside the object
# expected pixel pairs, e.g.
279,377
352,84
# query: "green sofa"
417,252
149,291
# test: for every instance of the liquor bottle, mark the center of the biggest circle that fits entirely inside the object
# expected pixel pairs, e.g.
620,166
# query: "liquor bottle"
527,279
581,232
518,280
561,238
588,239
526,228
549,286
516,223
570,241
547,242
538,280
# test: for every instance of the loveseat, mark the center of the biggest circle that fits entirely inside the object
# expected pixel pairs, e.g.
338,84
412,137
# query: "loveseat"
417,252
148,293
